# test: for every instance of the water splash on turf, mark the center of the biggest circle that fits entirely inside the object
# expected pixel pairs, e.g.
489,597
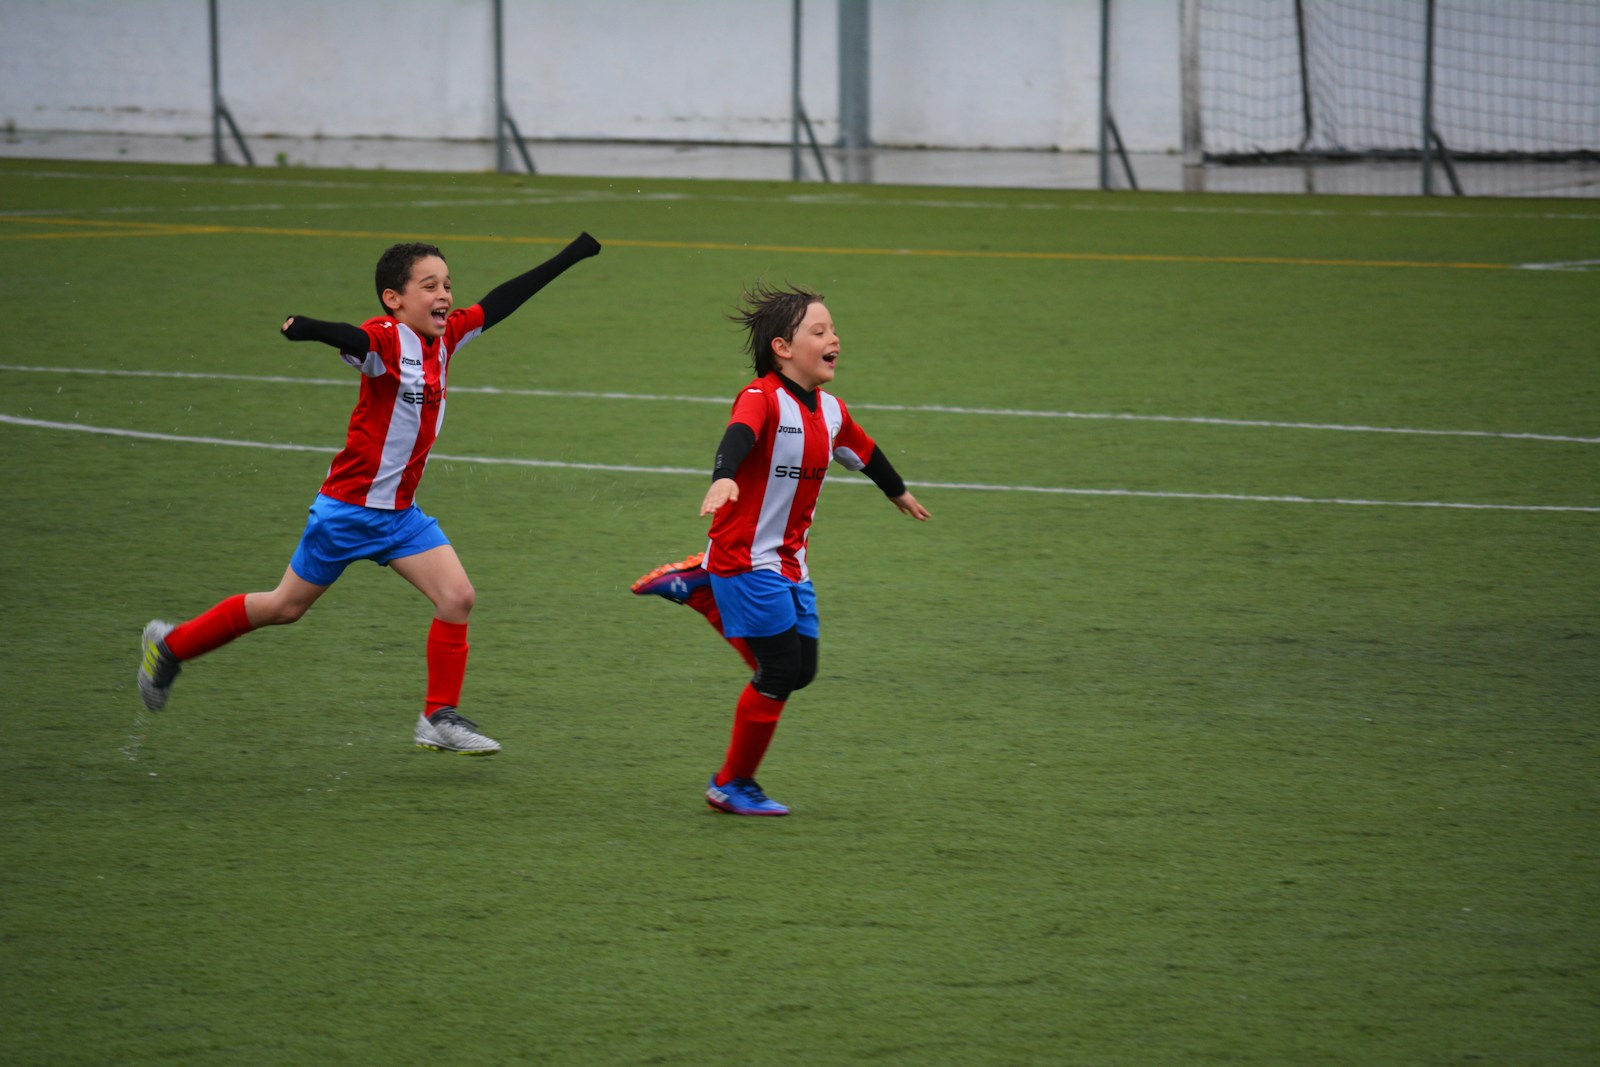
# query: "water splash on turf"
141,726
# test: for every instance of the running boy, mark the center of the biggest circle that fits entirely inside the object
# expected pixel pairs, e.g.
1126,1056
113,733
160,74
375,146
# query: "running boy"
365,509
752,583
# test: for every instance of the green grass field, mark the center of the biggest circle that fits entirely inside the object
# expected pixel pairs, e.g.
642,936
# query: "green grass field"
1237,706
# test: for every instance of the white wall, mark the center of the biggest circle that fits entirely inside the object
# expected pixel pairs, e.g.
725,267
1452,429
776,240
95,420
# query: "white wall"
945,73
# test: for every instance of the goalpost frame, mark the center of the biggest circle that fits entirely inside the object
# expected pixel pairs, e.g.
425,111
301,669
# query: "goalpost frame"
1431,65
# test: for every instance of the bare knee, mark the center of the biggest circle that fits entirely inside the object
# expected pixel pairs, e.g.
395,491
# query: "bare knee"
293,612
274,608
455,603
282,613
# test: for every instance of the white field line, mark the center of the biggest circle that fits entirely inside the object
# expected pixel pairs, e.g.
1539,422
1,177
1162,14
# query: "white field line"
929,409
624,468
1571,264
1251,498
197,209
609,192
146,435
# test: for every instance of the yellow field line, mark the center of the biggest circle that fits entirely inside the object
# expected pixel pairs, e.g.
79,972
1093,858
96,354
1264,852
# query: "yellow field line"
160,231
117,228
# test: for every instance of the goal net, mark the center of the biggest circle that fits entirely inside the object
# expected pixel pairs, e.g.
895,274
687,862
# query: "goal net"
1280,80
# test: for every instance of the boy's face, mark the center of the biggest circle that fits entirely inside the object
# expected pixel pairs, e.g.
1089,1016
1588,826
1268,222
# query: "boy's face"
424,303
808,359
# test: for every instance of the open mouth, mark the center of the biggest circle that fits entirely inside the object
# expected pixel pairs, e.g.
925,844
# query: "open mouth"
830,358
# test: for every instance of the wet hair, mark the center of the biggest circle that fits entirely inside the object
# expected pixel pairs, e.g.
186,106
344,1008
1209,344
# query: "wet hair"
394,266
768,312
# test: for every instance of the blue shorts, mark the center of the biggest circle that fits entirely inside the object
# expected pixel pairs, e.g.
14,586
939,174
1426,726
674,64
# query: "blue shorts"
337,534
764,603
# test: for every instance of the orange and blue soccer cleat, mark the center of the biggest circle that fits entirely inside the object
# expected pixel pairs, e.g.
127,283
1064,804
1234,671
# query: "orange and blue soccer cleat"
675,581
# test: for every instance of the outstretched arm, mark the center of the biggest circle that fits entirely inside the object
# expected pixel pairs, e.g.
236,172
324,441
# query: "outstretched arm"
341,335
503,299
885,477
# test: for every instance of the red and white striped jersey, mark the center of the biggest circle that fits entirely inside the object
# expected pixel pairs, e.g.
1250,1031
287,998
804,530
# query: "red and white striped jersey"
766,528
400,410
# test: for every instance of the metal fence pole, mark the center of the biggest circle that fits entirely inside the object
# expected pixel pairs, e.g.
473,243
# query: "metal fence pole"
502,151
219,109
1105,93
216,90
1307,116
794,93
1189,80
855,77
1427,103
503,122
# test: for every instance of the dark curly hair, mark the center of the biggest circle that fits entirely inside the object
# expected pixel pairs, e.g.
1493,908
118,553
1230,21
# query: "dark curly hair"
768,312
394,266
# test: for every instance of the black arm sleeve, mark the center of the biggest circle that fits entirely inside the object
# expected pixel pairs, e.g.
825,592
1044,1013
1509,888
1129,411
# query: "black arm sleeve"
737,441
341,335
505,298
883,474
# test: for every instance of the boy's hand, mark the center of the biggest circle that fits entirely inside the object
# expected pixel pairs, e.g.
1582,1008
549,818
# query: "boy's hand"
341,335
908,504
585,246
722,491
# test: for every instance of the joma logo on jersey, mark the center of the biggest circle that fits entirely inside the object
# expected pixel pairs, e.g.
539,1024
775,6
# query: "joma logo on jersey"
790,429
806,474
408,361
431,394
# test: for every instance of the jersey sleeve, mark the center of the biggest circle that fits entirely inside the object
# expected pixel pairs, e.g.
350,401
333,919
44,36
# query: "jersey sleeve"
463,325
383,350
752,409
851,446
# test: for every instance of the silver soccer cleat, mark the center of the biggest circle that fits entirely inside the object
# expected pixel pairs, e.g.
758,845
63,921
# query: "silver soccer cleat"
157,666
449,731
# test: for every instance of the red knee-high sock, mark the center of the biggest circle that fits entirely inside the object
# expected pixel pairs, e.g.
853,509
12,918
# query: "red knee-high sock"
705,603
447,664
210,630
754,720
702,601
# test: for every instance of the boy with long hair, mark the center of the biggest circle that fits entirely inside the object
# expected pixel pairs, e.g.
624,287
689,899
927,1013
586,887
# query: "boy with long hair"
752,583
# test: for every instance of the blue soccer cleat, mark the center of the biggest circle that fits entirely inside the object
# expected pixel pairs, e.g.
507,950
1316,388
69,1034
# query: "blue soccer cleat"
675,581
742,796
